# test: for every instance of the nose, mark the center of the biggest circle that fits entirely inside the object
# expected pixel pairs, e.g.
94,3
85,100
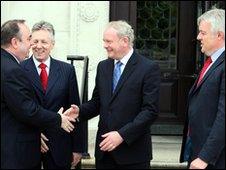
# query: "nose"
105,45
39,45
198,36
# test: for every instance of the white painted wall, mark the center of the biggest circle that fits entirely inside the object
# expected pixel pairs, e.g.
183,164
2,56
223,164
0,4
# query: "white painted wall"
78,24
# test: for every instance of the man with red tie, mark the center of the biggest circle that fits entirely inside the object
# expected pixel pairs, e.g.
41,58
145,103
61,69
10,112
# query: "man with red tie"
55,85
203,143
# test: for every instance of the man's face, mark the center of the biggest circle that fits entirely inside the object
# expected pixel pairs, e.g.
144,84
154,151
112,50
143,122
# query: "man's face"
42,44
207,38
24,43
113,44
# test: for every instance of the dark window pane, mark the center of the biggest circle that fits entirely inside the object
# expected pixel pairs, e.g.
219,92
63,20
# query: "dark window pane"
156,31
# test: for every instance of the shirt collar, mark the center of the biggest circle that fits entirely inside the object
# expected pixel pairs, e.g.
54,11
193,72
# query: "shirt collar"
126,58
37,63
217,54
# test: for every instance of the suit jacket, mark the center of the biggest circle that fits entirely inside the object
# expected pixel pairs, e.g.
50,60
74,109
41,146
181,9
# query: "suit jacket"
62,91
130,110
21,117
206,116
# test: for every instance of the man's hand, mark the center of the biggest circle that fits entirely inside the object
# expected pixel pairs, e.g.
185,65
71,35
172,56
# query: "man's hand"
76,158
111,141
66,120
198,164
44,147
72,112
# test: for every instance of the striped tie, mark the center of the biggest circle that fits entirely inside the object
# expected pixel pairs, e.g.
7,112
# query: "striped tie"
117,74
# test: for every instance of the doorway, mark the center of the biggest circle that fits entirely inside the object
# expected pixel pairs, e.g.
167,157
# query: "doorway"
165,32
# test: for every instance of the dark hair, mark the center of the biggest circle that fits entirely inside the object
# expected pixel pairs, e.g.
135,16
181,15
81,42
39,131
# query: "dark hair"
9,30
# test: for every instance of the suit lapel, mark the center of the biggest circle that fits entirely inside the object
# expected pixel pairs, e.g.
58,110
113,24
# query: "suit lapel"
35,79
129,68
53,74
213,67
109,74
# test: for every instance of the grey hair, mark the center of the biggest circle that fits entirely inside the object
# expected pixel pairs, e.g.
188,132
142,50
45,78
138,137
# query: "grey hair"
43,25
123,29
216,17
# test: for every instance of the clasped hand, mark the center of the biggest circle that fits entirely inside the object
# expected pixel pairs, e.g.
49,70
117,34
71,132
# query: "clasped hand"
70,115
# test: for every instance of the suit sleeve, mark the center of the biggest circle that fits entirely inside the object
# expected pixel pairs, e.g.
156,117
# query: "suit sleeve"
21,101
215,142
149,109
77,139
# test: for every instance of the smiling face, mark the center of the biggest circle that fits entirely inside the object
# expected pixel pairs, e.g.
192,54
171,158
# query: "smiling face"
42,44
207,38
115,46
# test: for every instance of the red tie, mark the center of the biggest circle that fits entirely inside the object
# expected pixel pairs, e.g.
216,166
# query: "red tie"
206,65
43,76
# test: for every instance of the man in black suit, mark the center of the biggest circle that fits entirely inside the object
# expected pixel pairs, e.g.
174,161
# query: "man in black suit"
21,116
204,131
126,99
61,90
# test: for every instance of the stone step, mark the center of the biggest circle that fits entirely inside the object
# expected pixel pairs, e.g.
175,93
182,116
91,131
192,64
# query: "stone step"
90,164
166,152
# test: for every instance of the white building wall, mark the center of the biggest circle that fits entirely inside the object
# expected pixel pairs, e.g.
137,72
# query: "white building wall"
78,28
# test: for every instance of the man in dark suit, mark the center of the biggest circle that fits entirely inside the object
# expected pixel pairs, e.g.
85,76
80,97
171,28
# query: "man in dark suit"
61,90
204,132
21,116
127,108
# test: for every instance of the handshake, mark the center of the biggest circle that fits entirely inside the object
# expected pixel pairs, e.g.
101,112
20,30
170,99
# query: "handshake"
70,115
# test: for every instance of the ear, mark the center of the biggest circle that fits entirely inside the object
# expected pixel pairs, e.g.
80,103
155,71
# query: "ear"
14,42
220,35
126,40
52,44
